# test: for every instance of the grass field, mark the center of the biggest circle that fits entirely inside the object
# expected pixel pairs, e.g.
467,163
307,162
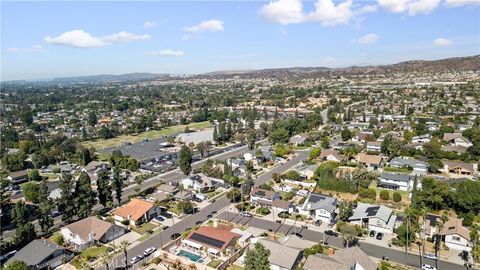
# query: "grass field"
152,134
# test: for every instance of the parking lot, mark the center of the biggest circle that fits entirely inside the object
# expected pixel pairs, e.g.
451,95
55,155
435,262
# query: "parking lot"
141,151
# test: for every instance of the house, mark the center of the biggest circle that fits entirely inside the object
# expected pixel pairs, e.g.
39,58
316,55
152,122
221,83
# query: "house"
374,217
282,206
374,146
215,239
238,166
282,257
94,168
264,152
90,231
298,139
168,189
319,207
344,259
42,254
331,155
421,139
363,136
263,196
457,139
455,235
372,162
307,171
135,212
201,183
419,167
396,181
184,195
458,167
18,177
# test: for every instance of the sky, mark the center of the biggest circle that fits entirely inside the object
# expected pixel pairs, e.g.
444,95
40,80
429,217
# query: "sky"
42,40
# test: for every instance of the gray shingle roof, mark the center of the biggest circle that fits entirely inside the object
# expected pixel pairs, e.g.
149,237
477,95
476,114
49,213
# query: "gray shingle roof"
400,177
280,255
35,252
366,210
320,201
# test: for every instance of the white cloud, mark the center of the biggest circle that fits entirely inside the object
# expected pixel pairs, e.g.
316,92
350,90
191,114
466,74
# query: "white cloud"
123,36
459,3
329,15
442,42
169,53
283,11
33,49
366,39
325,12
77,39
412,7
148,24
205,26
81,39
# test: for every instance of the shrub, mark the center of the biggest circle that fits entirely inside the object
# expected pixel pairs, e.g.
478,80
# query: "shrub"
57,238
384,195
397,197
367,193
263,211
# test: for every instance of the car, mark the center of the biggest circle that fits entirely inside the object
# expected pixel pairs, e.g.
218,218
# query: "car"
278,221
198,222
136,259
379,236
318,222
372,233
159,218
430,256
174,236
209,216
297,234
331,233
165,227
149,251
245,214
428,267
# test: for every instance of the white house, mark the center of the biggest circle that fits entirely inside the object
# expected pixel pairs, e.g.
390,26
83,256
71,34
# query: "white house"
90,231
374,217
457,139
455,235
319,207
419,167
201,183
425,138
135,212
263,197
374,146
396,181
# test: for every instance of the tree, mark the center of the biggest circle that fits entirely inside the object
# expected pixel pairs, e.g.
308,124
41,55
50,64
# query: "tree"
34,175
325,143
251,138
384,195
397,197
202,148
346,211
440,225
185,160
106,258
234,195
92,118
474,238
257,258
84,195
346,134
65,202
349,232
45,208
104,190
216,138
124,247
30,191
25,231
17,265
117,184
278,136
315,153
5,193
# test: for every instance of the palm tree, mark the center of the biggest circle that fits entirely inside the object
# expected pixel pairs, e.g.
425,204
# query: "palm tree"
440,224
124,245
474,235
106,259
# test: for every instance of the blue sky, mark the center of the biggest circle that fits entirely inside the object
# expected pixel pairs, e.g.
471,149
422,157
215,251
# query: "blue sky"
53,39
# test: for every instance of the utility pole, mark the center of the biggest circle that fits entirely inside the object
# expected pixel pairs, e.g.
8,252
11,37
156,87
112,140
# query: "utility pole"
406,241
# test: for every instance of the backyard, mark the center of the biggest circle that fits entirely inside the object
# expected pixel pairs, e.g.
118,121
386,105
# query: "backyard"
152,134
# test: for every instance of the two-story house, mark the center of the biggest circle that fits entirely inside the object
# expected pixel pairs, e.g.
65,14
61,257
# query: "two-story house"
319,207
374,217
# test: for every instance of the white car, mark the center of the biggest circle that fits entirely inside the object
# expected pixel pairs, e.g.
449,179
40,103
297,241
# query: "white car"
245,214
428,267
136,259
149,251
430,256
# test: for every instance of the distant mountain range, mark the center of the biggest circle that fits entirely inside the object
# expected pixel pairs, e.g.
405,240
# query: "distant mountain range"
456,64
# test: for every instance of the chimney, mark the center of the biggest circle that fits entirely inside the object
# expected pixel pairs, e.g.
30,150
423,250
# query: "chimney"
215,224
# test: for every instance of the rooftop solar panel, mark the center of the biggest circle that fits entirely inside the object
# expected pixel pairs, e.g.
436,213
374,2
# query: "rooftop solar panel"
261,193
372,211
316,198
207,240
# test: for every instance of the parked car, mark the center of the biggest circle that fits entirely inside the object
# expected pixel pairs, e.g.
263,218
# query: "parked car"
149,251
430,256
372,233
428,267
174,236
379,236
331,233
298,235
245,214
318,222
136,259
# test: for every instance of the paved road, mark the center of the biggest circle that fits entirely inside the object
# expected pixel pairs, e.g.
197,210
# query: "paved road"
160,239
337,242
171,176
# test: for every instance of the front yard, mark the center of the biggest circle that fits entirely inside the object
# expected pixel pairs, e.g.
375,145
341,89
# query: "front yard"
214,263
144,228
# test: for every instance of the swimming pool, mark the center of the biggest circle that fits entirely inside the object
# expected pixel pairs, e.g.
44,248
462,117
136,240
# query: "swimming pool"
193,257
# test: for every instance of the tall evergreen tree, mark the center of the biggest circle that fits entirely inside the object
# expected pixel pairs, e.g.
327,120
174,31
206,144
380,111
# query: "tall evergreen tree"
25,231
104,190
215,135
65,202
84,195
257,258
185,160
117,184
45,207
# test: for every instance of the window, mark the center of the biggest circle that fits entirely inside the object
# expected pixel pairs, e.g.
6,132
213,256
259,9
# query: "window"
456,238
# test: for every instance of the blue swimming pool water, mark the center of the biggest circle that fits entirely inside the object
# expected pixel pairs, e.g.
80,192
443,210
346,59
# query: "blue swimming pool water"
191,256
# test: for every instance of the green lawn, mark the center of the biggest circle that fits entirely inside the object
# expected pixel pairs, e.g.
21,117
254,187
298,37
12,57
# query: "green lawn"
404,194
214,263
395,169
235,267
93,252
152,134
142,229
